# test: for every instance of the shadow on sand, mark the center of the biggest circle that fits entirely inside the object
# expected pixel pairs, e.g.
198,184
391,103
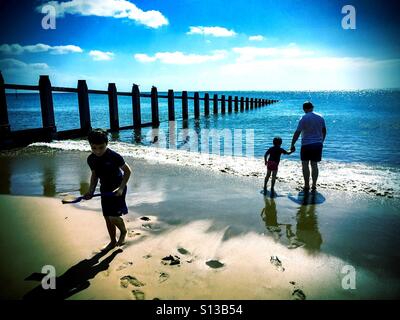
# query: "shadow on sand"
74,280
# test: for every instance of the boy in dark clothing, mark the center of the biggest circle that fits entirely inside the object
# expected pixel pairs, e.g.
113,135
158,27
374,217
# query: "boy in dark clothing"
106,165
272,163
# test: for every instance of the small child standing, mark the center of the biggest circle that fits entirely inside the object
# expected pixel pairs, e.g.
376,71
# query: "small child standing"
106,165
272,163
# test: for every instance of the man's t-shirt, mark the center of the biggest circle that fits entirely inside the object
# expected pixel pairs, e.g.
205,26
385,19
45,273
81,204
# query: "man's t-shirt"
275,154
107,168
311,125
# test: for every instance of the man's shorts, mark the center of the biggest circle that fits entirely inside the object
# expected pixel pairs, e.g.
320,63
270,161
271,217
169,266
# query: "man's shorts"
311,152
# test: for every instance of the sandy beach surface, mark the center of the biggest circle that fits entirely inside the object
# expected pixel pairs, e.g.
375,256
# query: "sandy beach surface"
226,240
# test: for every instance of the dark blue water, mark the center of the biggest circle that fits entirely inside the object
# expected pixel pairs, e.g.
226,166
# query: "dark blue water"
363,126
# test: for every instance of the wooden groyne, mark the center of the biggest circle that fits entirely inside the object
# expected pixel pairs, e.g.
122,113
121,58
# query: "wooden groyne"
13,138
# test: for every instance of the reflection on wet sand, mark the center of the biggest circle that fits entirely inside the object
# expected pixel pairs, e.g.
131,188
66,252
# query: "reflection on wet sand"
307,233
48,180
43,174
5,174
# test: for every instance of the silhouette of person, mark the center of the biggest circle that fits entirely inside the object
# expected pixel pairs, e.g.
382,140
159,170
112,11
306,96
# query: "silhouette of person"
74,280
307,225
270,216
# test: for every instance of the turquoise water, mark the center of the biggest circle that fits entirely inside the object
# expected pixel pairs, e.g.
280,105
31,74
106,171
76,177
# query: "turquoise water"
363,126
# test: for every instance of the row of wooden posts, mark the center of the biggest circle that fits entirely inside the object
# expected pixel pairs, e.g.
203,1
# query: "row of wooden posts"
49,132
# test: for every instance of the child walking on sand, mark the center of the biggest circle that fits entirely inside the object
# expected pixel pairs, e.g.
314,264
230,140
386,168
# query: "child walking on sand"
272,163
106,165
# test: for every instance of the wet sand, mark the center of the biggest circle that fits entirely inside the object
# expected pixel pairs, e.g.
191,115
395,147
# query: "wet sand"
42,231
220,228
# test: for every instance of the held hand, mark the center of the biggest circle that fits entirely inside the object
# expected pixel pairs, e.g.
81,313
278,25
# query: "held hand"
292,149
118,192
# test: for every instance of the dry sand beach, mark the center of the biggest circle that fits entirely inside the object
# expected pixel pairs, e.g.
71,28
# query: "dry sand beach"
226,240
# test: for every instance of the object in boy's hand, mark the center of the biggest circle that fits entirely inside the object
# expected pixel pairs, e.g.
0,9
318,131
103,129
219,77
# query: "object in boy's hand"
73,199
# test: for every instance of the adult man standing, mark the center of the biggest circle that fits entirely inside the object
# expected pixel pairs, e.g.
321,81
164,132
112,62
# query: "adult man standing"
313,132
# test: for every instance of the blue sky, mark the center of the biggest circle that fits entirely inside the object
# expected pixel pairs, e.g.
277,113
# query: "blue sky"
202,45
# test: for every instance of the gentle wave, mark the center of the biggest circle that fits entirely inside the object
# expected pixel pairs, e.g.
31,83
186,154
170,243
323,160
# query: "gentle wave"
355,177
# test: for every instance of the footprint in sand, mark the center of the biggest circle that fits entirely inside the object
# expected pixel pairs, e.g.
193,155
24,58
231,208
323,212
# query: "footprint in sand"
215,264
163,277
124,265
277,263
139,295
183,251
294,244
147,256
145,218
297,293
147,226
127,280
170,260
133,233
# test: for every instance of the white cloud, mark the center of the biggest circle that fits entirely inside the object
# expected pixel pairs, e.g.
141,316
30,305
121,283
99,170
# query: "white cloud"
65,49
109,8
253,53
256,38
181,58
212,31
101,55
16,48
17,65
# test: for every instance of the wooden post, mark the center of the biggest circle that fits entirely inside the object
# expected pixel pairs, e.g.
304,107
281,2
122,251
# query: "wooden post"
256,103
46,102
241,104
229,104
155,119
247,103
223,104
137,117
251,103
171,105
185,114
83,102
236,104
215,103
206,104
4,124
113,107
196,103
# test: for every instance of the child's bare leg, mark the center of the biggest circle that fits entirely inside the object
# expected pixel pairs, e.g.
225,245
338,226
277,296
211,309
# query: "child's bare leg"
266,179
273,179
119,223
111,231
